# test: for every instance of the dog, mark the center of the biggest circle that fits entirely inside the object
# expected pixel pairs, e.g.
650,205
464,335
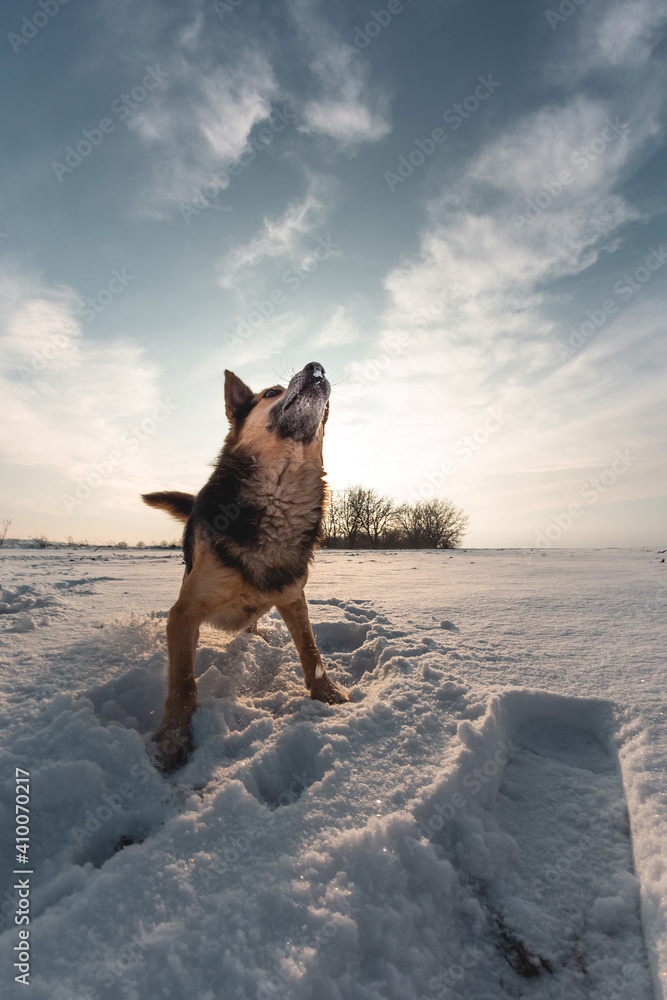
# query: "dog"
249,539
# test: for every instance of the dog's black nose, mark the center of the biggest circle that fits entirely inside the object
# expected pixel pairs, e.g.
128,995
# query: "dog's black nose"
315,369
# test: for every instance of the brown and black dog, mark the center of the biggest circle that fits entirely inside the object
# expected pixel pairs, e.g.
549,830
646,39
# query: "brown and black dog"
249,538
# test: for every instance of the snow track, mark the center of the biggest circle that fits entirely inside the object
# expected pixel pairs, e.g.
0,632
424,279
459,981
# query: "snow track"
445,835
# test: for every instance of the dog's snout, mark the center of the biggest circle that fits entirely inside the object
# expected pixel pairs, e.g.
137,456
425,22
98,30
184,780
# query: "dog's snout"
315,369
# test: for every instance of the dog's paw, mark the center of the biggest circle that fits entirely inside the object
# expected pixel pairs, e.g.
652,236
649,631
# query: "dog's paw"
325,690
173,746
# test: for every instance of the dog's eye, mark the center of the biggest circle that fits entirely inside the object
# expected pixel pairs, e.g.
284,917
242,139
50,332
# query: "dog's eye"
271,392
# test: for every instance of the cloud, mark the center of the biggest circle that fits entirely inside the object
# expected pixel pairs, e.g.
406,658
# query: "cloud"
582,137
279,237
224,83
346,120
626,34
221,87
482,275
66,399
340,329
261,343
480,304
202,122
617,41
232,105
346,109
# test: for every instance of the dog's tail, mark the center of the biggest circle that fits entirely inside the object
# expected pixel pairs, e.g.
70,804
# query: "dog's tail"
179,505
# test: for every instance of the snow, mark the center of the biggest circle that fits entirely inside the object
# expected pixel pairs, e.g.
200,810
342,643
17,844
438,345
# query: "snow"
484,820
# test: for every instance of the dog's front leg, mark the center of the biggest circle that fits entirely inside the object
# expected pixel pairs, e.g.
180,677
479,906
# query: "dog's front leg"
321,687
173,736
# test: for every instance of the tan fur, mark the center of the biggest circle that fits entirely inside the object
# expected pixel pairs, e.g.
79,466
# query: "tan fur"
286,476
286,479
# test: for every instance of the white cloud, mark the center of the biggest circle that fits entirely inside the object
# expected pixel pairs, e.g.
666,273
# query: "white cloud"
626,33
345,119
232,105
261,343
346,108
66,399
582,137
479,307
219,88
340,329
619,38
201,123
483,270
280,237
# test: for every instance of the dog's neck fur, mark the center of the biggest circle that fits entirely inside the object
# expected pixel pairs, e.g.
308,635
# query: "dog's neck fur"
290,497
264,511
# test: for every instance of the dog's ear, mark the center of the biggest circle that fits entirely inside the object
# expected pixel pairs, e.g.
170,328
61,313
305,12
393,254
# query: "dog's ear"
237,396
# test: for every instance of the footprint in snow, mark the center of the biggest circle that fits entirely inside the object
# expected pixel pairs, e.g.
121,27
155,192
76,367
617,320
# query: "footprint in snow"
569,904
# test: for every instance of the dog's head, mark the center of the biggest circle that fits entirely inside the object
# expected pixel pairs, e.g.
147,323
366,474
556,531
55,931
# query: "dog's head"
261,420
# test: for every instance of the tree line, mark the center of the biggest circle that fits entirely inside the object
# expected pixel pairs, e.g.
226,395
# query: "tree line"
358,517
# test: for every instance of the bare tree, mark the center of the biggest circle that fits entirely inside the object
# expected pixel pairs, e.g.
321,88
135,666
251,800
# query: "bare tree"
432,524
331,528
377,514
360,517
6,521
344,519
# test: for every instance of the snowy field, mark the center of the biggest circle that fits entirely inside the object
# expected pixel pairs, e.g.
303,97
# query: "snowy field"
487,819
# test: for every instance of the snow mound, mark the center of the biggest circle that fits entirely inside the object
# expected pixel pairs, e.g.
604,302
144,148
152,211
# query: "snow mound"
15,600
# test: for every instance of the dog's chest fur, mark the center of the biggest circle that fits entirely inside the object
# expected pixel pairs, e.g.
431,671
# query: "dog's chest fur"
290,501
272,515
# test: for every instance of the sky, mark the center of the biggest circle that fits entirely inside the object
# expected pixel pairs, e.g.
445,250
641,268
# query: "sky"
457,208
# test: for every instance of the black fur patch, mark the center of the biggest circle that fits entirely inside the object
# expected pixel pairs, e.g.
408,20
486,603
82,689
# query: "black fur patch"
221,508
241,414
225,512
